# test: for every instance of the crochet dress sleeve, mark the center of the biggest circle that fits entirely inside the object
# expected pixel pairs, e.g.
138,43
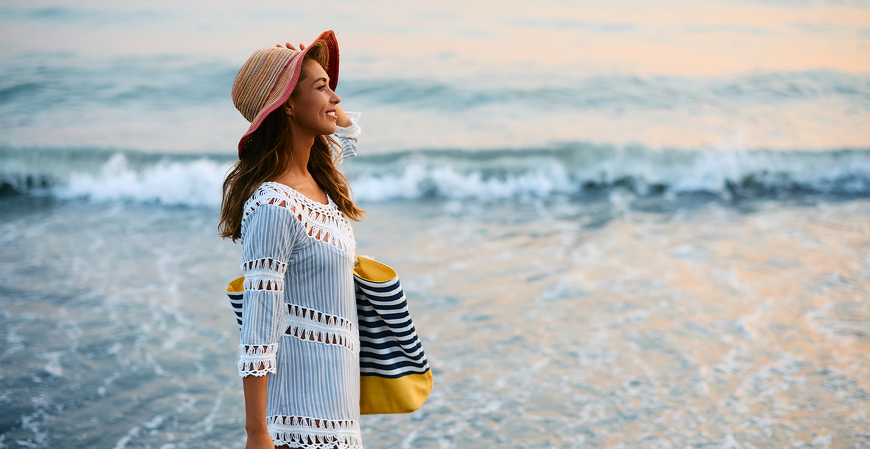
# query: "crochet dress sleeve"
267,243
346,138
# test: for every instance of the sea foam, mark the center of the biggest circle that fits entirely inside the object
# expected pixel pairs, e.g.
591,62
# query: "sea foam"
479,175
194,183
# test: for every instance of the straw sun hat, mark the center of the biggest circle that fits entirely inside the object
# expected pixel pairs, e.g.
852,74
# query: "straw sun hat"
268,77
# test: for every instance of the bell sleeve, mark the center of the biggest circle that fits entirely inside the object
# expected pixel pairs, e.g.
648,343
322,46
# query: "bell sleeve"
267,243
346,138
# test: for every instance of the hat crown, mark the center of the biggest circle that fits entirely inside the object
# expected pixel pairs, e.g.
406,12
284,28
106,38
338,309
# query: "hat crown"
258,77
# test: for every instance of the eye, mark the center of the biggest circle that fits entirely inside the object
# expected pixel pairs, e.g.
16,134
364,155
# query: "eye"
322,87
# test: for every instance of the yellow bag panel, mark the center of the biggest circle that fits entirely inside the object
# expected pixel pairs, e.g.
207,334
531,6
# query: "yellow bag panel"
374,271
236,286
380,396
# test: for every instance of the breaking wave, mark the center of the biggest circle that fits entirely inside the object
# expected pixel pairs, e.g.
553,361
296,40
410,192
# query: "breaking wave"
483,175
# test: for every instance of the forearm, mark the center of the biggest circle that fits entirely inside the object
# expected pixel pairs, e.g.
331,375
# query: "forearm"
255,403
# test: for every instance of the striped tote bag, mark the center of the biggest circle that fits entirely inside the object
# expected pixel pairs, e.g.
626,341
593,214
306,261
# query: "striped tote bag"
394,372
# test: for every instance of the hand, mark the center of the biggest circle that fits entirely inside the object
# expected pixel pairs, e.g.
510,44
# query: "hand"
259,440
291,47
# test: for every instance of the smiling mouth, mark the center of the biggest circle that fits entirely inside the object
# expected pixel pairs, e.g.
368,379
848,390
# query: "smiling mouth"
330,114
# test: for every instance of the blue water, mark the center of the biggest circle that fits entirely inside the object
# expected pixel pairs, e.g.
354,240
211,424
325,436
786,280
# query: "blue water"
619,225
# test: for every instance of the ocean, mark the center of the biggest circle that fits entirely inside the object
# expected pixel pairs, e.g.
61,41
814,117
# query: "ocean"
621,225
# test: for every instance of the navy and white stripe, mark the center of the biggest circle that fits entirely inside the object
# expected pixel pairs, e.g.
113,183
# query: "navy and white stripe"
389,346
236,300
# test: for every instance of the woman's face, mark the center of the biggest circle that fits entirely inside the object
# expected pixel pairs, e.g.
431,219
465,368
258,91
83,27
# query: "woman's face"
311,106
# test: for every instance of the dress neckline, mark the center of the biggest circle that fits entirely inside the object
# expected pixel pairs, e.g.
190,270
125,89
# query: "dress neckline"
299,195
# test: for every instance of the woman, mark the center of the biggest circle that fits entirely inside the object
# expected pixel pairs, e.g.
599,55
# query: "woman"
291,207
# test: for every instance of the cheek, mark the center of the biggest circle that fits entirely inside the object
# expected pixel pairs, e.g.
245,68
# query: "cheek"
306,105
317,101
323,98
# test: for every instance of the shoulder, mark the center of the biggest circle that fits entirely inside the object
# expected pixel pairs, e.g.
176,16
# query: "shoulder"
272,197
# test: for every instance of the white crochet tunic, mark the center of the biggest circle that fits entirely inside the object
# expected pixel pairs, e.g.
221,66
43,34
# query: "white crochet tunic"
299,320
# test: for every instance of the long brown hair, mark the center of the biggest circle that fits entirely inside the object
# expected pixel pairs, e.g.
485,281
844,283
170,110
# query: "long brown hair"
267,155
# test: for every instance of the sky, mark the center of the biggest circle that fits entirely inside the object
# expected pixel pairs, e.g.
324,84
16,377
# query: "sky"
666,37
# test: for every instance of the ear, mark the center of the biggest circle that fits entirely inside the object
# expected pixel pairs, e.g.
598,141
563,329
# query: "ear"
287,108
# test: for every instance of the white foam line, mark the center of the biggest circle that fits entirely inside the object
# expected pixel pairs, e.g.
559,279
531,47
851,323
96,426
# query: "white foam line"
199,182
122,443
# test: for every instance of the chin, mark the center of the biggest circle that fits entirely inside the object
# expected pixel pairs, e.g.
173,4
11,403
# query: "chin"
330,129
323,128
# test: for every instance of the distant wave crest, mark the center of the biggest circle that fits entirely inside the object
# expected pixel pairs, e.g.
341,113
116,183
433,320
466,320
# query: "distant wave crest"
465,175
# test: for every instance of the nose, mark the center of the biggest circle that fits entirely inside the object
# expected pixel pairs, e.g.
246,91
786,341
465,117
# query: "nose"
335,98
